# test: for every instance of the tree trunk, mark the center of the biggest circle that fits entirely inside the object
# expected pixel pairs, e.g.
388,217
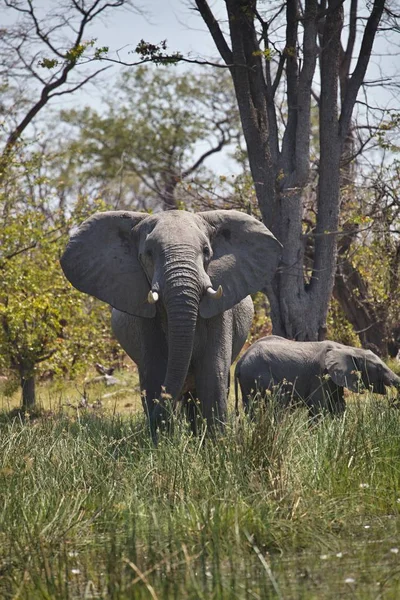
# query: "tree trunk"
28,391
280,168
368,321
254,103
280,176
300,307
167,194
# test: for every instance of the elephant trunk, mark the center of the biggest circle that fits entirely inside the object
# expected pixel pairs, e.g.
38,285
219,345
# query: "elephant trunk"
182,291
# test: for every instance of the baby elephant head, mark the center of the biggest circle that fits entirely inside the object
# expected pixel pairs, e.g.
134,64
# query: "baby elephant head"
350,367
191,264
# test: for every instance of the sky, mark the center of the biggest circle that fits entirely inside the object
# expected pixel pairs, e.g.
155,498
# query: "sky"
121,30
182,27
173,20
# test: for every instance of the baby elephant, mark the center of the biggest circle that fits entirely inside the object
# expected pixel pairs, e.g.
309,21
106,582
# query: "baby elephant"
314,373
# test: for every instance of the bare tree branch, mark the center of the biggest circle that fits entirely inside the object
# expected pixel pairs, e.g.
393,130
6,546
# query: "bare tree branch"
69,59
304,92
203,157
278,76
79,85
215,30
358,75
167,60
348,53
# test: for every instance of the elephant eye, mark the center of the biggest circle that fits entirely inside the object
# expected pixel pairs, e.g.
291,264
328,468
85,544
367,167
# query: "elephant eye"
206,252
149,253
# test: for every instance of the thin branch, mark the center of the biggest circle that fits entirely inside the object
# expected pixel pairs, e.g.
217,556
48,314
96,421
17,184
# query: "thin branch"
345,66
358,75
278,76
33,244
215,30
46,356
48,90
167,60
19,251
203,157
276,15
305,80
43,36
81,84
292,73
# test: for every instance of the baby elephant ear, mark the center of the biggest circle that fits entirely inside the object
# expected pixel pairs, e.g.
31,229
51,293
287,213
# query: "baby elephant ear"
245,258
342,367
101,259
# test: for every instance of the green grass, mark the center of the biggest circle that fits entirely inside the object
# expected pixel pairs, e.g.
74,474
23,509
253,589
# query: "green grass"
89,508
64,395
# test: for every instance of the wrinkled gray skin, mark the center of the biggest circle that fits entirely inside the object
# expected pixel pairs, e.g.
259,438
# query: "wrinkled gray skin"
185,341
311,372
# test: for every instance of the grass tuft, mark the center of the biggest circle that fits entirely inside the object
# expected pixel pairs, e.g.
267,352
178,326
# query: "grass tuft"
273,508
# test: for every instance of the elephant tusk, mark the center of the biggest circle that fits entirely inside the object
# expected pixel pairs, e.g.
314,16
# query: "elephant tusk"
215,295
152,297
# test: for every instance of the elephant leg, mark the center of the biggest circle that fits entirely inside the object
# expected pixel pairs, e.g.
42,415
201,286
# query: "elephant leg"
316,400
152,375
151,379
145,343
326,397
190,408
211,389
335,401
212,370
254,394
250,401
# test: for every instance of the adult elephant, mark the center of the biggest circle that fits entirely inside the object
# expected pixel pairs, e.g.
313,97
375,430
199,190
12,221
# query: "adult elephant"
159,272
310,372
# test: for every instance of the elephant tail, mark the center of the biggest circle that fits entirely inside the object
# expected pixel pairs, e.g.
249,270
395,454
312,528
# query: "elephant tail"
236,392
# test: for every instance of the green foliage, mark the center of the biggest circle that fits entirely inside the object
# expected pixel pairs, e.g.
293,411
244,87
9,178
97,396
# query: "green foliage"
261,325
387,133
101,52
373,263
48,63
339,328
45,325
271,509
156,53
268,53
144,150
77,51
73,55
28,312
372,213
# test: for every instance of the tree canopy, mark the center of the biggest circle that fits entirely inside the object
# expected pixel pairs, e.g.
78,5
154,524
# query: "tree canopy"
148,148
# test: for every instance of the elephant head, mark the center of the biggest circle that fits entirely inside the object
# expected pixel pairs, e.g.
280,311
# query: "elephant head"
348,367
189,264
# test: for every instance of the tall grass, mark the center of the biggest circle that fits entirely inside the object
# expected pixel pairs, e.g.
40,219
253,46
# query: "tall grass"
89,508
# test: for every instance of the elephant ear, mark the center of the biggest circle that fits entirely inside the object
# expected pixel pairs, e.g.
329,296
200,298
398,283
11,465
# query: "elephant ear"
343,369
101,259
245,258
